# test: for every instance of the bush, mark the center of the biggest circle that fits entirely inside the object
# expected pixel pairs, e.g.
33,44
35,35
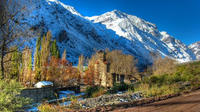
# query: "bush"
118,87
74,103
156,90
95,91
186,77
47,108
53,108
9,96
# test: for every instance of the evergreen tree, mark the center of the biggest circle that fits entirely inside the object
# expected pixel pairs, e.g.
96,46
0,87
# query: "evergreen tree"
54,49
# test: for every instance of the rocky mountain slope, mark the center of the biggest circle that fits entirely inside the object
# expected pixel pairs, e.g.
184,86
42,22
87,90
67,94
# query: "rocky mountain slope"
113,30
144,35
195,47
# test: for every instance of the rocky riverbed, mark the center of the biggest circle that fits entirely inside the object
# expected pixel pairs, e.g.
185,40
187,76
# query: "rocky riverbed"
110,99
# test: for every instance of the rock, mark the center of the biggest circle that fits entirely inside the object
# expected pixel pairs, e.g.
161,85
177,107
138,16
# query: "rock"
110,99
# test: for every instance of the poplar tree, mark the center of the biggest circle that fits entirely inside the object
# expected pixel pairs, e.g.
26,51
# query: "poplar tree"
45,53
45,49
54,49
37,58
80,63
26,75
64,55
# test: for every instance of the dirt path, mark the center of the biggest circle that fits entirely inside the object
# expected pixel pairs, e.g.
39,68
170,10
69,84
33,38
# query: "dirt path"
185,103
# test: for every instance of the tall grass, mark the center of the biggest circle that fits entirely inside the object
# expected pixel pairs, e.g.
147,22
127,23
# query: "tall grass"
186,77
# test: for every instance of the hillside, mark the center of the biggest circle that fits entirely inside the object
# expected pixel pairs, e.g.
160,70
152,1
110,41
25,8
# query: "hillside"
113,30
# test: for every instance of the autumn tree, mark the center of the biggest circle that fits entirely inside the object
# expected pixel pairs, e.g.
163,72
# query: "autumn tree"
163,66
64,54
81,63
89,77
11,29
121,63
26,70
114,62
61,72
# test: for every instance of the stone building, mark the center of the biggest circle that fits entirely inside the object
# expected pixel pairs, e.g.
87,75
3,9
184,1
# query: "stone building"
106,77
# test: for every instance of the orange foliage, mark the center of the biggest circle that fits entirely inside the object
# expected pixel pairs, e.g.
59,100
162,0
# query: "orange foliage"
92,76
61,72
89,76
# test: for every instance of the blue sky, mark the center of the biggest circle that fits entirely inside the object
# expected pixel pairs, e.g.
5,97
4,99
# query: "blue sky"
180,18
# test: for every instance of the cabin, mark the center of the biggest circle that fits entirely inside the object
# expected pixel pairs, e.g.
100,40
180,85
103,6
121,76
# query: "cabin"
107,77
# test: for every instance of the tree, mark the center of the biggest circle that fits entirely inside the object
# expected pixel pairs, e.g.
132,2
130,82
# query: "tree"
11,29
54,49
121,63
61,72
64,55
45,48
163,66
26,75
81,63
89,78
37,58
12,65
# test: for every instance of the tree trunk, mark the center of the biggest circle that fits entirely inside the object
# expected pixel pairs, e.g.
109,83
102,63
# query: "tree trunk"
2,60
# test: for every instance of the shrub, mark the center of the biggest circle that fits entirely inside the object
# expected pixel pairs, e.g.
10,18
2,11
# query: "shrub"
74,103
118,87
156,90
94,91
100,92
53,108
9,96
46,108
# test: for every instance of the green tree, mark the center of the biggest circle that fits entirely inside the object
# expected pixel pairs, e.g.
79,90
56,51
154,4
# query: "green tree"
12,64
10,100
45,53
54,49
45,48
37,58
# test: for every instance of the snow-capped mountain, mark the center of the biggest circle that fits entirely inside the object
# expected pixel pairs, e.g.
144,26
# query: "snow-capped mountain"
144,35
195,47
114,30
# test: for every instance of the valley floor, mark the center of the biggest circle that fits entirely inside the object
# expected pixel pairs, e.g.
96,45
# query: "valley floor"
184,103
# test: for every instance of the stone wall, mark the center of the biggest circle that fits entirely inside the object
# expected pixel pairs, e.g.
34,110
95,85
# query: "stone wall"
46,93
39,94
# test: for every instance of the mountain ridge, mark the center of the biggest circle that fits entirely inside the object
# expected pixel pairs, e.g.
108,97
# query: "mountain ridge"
113,21
81,35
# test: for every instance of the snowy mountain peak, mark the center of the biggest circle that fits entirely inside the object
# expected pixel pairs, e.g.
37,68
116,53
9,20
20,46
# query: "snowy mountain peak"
116,13
195,47
144,35
112,30
67,7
